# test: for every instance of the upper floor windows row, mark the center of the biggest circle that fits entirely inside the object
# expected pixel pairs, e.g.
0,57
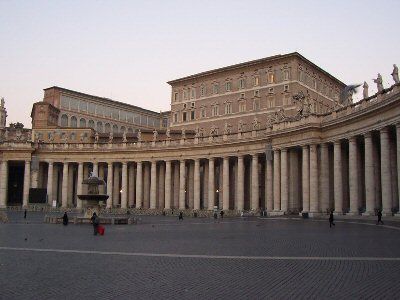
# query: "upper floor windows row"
272,77
83,106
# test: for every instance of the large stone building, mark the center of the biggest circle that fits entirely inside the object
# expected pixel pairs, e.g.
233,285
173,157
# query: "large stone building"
272,134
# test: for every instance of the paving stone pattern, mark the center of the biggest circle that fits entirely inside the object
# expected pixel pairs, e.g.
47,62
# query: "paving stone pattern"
54,275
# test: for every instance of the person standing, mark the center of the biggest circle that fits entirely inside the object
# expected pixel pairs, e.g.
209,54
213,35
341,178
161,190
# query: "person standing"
331,219
95,221
222,214
379,214
65,219
24,213
180,216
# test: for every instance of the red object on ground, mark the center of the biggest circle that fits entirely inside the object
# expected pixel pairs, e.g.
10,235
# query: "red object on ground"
101,230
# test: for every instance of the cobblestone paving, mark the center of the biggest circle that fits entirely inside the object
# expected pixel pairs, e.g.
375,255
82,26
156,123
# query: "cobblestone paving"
200,259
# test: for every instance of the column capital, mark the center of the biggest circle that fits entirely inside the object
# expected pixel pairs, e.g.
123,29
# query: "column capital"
398,126
368,135
384,130
284,150
324,145
305,146
337,142
124,163
352,139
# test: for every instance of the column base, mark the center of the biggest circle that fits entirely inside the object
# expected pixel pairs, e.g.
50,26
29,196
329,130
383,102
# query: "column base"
275,213
368,214
353,213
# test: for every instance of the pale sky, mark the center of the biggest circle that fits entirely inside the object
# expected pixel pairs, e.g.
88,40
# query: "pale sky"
128,50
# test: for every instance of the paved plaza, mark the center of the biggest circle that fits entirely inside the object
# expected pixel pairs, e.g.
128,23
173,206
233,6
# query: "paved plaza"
233,258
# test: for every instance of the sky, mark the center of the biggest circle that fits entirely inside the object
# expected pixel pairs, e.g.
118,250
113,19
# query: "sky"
128,50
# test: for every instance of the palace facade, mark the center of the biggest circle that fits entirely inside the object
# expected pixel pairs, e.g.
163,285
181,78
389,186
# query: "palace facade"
271,134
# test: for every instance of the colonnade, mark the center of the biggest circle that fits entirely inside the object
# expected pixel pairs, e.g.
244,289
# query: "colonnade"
350,175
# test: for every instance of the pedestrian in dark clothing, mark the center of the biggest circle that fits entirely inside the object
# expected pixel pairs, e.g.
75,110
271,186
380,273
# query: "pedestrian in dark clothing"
24,213
95,221
65,219
331,220
180,217
222,214
379,214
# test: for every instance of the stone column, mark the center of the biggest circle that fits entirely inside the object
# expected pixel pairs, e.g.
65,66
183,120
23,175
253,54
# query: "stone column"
284,181
79,184
4,183
182,184
116,188
27,177
306,179
386,179
254,183
190,184
101,175
324,177
146,185
175,199
110,173
131,185
139,187
161,187
124,186
369,176
398,158
96,168
240,184
64,189
197,184
153,185
70,202
337,177
269,185
50,172
168,184
225,184
277,180
353,176
211,184
314,207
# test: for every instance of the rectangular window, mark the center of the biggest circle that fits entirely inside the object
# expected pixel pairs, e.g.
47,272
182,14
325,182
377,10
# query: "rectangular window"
92,108
184,116
137,119
228,86
192,105
256,80
203,112
242,83
242,106
192,93
115,114
228,108
285,74
175,118
64,102
242,95
215,88
185,94
256,93
271,90
202,91
286,100
176,95
99,110
286,88
256,104
74,104
270,102
129,117
271,77
215,111
192,114
83,106
122,116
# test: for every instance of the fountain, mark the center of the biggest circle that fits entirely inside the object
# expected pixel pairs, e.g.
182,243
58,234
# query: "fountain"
92,200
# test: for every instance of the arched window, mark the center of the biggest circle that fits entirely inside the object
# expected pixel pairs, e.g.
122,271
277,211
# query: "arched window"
91,124
82,122
74,121
123,129
115,128
107,128
64,121
99,127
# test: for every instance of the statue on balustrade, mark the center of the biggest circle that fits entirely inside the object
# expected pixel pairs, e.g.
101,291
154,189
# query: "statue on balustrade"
280,115
139,136
395,74
168,134
213,131
241,126
96,137
82,137
227,128
124,139
110,137
51,137
379,83
183,134
365,90
155,135
197,132
270,121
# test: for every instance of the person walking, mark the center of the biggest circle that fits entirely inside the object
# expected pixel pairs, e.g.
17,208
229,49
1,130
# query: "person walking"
331,219
180,217
24,213
95,221
222,214
379,214
65,219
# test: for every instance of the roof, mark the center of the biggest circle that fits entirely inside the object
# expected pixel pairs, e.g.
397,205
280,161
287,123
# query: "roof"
103,99
255,62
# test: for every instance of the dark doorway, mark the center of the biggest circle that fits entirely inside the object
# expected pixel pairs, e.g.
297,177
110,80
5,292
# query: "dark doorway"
15,184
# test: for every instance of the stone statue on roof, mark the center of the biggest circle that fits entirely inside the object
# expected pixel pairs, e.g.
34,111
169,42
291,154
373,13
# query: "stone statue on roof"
110,137
395,74
96,137
124,139
139,135
379,83
155,135
168,133
365,90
